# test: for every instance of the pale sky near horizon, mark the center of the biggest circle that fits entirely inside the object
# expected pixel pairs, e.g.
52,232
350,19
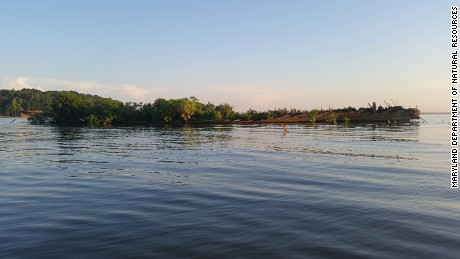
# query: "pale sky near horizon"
252,54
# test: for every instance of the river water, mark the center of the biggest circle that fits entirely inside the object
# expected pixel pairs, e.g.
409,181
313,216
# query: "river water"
322,191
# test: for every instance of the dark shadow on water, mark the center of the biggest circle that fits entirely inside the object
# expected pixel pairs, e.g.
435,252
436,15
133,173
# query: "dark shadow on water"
70,133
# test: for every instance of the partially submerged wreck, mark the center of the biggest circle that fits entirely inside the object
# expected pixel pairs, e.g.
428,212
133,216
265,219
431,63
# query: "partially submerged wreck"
372,114
390,114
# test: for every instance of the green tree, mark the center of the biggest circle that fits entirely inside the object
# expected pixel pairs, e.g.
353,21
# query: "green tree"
218,116
185,108
226,110
69,108
163,109
15,108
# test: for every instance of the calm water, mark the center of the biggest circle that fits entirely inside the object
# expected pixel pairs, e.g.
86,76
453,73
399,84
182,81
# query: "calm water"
228,191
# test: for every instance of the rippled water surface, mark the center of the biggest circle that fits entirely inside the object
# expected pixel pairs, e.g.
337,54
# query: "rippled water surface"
228,191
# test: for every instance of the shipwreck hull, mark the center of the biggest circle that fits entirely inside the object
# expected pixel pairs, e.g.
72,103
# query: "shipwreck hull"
390,114
399,115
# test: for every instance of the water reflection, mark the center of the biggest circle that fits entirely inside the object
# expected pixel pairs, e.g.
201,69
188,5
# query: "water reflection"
373,141
66,134
192,136
226,191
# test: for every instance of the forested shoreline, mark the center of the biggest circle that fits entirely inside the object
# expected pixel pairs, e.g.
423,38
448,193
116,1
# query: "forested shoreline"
73,108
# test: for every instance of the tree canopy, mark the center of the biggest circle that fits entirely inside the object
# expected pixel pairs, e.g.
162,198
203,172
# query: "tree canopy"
73,108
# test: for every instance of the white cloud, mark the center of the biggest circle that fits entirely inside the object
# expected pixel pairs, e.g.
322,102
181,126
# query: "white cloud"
122,92
18,83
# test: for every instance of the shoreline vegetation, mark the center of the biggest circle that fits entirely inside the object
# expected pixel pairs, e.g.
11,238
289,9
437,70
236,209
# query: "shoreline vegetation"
77,109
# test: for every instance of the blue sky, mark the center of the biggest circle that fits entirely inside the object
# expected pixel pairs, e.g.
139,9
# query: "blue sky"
251,54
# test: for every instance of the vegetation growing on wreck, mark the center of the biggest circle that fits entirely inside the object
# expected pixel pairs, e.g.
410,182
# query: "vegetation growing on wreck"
332,118
312,115
73,108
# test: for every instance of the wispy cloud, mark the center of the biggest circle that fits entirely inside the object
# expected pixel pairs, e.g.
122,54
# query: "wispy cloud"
241,96
252,96
122,92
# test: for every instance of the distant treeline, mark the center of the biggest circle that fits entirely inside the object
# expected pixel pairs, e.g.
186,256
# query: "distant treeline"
72,108
13,103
